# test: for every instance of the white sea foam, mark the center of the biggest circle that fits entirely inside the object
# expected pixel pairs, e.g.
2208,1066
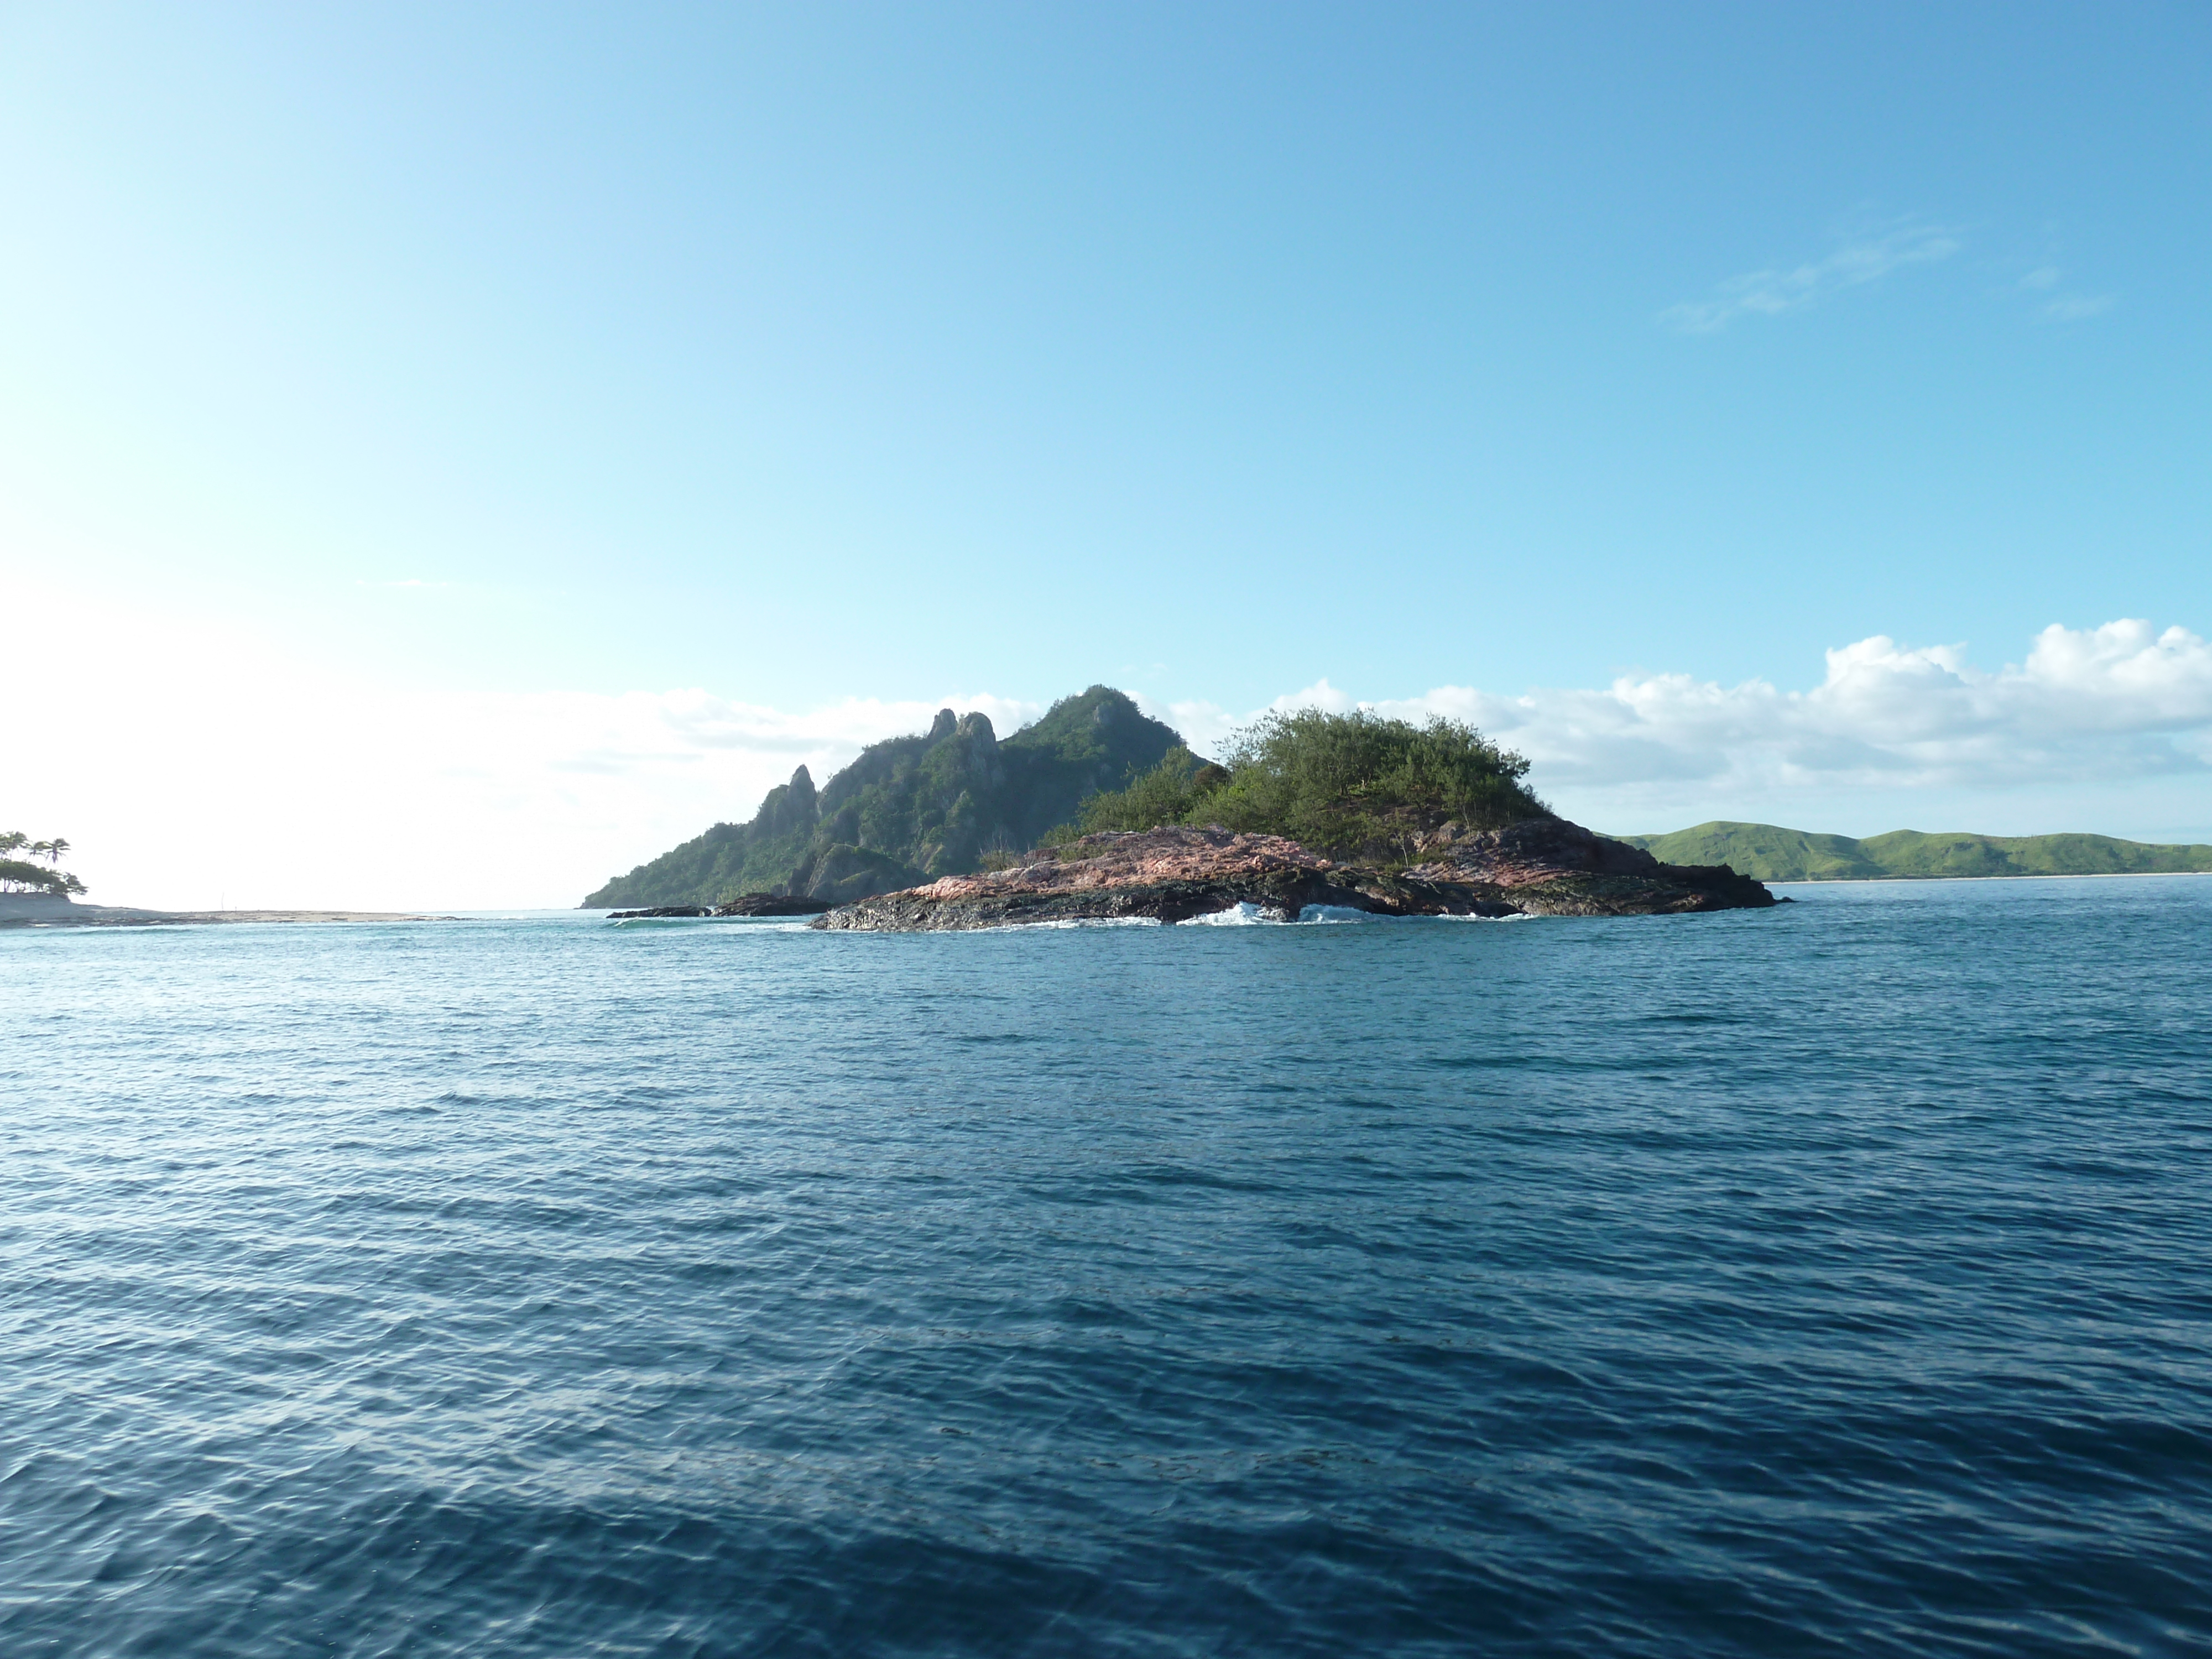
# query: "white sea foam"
1071,921
1253,916
1238,915
1249,915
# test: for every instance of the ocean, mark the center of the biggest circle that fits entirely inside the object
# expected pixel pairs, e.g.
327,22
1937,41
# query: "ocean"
1832,1280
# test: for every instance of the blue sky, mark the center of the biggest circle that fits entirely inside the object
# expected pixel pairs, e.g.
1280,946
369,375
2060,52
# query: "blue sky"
797,355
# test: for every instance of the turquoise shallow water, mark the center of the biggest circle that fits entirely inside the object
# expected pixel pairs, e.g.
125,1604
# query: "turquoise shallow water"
1831,1280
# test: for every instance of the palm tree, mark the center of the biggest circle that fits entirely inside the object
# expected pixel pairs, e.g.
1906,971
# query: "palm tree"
55,850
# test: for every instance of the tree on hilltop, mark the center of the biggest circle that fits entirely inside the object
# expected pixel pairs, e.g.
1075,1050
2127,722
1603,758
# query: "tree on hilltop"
1351,785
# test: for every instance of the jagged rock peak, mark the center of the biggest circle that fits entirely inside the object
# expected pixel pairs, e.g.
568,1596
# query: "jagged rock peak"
910,808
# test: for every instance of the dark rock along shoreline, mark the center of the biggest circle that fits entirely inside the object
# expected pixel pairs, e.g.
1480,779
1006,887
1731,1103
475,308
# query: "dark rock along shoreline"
745,904
1541,866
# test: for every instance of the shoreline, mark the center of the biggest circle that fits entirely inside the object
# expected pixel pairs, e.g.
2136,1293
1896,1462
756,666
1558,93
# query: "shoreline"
107,915
1876,881
121,915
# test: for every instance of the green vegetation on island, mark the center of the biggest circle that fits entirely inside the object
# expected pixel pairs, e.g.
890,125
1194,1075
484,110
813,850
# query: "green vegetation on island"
1767,852
910,809
1355,787
957,799
20,875
1351,785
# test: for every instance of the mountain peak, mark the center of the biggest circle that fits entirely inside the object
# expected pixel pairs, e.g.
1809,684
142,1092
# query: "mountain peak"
911,809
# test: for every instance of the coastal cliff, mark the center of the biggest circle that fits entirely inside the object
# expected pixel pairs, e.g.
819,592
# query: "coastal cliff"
908,810
1543,866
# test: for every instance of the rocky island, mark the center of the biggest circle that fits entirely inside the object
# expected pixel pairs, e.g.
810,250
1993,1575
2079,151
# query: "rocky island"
1544,866
1354,812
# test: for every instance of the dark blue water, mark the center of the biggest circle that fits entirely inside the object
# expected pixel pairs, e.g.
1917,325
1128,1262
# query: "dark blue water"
1833,1280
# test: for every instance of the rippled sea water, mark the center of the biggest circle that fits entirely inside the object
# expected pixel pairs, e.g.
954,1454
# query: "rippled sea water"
1831,1280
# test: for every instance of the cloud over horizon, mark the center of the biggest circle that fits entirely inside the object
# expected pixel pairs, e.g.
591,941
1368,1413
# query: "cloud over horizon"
2118,703
205,772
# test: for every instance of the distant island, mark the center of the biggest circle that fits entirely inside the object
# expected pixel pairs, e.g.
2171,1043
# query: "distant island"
1767,852
22,875
1097,811
32,897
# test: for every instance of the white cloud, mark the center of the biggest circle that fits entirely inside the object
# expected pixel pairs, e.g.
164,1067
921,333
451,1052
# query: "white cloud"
2063,307
1207,726
189,769
1770,291
210,768
2073,307
2088,708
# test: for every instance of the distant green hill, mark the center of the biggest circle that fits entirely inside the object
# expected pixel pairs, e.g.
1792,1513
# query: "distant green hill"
910,809
1768,853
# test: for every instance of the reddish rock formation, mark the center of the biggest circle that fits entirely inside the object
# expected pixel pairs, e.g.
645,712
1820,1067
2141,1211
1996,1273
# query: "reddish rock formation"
1133,859
1543,867
1549,866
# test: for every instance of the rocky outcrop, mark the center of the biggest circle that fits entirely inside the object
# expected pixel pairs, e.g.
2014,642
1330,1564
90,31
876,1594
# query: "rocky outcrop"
1546,867
773,904
1166,875
745,904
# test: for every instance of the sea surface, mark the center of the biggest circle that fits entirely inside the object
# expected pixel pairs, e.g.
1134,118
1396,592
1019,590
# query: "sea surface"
1830,1280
